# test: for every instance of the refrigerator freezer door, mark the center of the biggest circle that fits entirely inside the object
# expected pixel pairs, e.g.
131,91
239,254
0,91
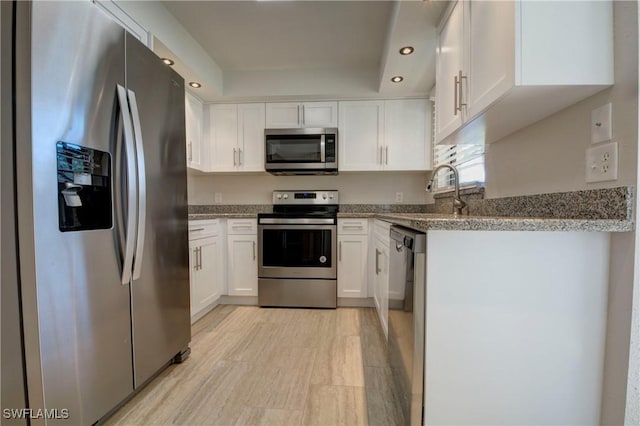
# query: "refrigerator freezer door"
83,311
160,297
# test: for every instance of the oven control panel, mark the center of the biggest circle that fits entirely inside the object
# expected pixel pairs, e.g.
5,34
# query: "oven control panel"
305,197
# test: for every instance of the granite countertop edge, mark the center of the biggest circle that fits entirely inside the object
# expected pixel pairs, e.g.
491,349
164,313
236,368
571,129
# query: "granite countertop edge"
434,222
206,216
440,222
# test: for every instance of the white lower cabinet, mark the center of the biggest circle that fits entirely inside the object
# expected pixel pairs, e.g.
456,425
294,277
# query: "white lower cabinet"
242,256
353,249
205,268
380,269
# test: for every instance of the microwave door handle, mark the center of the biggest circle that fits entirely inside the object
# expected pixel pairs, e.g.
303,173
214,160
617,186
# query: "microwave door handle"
322,149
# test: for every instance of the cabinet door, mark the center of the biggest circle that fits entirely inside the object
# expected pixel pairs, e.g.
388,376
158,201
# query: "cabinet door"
320,114
352,265
193,127
491,41
243,265
194,275
360,135
283,115
223,136
205,261
448,64
210,271
251,137
381,270
407,134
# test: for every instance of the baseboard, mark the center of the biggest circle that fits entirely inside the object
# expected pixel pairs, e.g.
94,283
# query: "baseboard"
343,302
356,302
206,310
238,300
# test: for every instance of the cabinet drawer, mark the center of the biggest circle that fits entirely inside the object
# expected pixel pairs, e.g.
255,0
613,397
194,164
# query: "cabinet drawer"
242,226
203,228
381,229
353,226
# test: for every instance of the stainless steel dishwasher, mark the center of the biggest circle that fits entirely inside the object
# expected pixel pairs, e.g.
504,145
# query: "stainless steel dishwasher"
407,254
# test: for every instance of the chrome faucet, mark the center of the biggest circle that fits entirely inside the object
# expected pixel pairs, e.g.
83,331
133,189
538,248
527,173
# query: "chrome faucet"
458,204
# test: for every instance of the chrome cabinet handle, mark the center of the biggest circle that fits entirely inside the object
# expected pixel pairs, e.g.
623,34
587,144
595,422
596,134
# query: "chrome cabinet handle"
299,116
380,155
130,231
340,251
142,186
196,229
234,157
458,104
303,121
240,157
254,250
455,95
200,255
378,270
190,150
195,259
386,155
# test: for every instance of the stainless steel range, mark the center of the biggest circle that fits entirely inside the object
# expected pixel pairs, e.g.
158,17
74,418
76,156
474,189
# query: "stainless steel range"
297,246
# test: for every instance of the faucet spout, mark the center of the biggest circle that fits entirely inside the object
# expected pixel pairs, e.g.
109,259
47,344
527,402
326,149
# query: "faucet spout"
458,204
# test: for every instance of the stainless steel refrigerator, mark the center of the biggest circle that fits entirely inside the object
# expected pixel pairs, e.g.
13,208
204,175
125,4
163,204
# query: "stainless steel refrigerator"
101,210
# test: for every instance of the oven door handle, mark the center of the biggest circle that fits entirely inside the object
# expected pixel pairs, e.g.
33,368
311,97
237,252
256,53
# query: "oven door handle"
295,221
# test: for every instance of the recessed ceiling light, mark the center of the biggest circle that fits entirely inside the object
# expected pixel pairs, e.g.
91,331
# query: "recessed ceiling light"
195,85
407,50
168,61
397,79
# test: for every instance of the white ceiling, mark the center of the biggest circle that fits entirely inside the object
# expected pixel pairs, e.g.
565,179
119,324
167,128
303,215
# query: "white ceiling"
326,47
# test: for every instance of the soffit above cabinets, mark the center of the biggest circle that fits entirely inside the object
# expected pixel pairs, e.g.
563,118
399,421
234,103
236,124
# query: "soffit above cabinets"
279,50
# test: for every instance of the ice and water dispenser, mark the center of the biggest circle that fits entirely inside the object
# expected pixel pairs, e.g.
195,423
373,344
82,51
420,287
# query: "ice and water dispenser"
84,188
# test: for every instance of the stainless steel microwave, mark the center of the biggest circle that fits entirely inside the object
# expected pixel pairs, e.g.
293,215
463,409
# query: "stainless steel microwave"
301,151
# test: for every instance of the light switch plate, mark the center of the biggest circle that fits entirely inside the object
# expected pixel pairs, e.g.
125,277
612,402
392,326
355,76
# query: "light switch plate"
217,197
602,163
399,197
601,124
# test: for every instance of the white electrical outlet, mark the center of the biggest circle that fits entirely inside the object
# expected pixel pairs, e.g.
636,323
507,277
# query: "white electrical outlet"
601,124
399,197
217,197
602,163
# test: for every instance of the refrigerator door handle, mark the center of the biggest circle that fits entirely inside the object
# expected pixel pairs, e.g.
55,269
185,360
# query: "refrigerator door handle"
142,185
131,187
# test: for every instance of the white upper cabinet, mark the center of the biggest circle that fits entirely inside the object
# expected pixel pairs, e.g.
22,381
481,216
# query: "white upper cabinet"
502,65
294,115
115,12
196,149
448,65
385,135
360,135
407,134
236,137
223,137
251,137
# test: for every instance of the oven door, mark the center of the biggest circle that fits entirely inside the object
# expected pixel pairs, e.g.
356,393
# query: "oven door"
297,251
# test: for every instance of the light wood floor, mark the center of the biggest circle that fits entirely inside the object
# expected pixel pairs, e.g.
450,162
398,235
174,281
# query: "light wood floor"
257,366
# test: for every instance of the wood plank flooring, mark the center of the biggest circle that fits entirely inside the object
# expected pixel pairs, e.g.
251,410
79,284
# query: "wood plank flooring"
258,366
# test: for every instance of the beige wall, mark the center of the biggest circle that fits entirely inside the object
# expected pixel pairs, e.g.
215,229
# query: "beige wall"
549,156
355,188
